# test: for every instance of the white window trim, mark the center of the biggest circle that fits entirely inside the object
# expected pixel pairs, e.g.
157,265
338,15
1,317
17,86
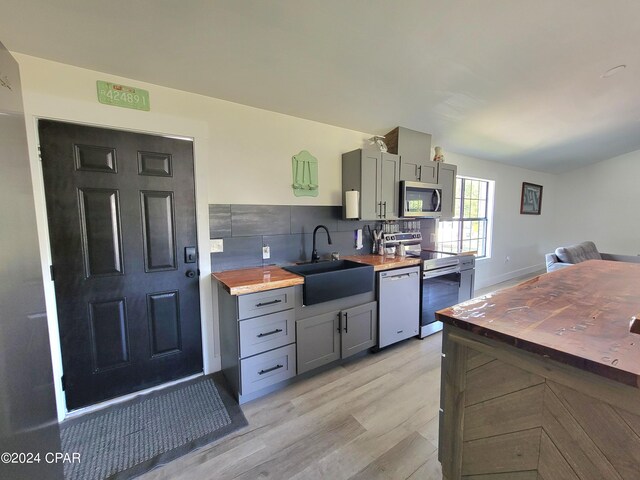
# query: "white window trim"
490,211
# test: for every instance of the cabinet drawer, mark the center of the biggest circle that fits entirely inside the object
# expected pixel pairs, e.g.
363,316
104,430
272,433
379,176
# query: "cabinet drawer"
267,368
264,333
261,303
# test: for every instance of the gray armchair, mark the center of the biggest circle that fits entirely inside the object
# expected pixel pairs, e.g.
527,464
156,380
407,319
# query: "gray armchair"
567,256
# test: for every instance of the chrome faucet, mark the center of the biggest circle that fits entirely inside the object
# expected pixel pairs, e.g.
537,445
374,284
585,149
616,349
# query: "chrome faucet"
314,255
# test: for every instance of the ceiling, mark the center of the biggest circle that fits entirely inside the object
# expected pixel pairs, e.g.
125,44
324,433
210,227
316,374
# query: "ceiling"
515,81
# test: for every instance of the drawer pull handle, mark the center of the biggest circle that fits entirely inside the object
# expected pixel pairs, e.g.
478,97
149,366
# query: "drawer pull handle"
262,372
268,303
277,330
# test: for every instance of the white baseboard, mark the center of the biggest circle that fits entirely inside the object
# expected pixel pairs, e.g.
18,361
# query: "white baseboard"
488,282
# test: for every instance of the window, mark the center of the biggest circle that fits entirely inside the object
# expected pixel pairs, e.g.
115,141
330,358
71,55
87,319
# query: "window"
470,227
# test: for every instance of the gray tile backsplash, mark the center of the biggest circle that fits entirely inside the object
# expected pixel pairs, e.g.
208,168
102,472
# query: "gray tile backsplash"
286,249
219,221
247,220
305,218
288,231
239,252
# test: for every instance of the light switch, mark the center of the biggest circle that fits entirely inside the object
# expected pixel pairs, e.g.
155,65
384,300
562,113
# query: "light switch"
266,252
217,245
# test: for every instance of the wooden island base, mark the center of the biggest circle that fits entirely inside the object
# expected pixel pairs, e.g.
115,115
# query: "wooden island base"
510,414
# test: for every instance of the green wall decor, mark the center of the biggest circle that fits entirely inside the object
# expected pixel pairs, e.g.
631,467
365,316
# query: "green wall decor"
304,167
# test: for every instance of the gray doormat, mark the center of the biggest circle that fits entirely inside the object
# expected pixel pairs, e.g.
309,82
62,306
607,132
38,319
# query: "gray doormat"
126,440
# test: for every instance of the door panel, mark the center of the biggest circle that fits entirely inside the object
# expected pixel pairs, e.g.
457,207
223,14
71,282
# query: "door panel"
109,338
100,230
120,207
158,164
163,311
91,158
158,231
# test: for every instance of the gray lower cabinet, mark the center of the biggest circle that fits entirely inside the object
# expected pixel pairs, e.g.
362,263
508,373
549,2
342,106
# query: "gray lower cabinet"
257,340
338,334
359,328
467,278
261,371
318,341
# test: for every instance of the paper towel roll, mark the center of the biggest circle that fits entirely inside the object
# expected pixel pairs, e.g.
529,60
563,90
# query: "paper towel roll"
351,204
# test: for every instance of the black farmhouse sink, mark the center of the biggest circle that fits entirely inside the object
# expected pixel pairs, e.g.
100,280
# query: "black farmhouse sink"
324,281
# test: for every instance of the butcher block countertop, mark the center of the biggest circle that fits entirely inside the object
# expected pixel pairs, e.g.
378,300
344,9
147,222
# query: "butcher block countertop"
579,315
383,262
251,280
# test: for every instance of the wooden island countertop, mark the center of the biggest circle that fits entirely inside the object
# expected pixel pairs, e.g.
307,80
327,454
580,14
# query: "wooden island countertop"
578,315
541,380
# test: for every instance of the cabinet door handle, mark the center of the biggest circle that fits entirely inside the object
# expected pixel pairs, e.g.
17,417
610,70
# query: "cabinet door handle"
339,323
268,303
262,372
277,330
385,209
419,172
346,323
380,209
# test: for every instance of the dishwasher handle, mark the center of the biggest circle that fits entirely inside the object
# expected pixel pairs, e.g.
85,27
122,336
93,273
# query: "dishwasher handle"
393,278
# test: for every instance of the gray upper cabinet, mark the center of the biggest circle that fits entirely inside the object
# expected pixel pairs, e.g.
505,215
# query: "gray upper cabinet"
375,175
414,149
447,180
359,328
318,341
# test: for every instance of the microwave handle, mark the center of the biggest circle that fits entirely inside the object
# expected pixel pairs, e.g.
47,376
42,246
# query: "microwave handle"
438,195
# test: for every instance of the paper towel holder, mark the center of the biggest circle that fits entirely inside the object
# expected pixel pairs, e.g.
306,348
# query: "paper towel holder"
352,204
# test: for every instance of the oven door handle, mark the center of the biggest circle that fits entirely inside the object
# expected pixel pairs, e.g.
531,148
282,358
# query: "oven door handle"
439,200
440,272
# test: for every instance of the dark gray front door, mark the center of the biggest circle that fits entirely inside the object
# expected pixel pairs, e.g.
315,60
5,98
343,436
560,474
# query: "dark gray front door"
121,212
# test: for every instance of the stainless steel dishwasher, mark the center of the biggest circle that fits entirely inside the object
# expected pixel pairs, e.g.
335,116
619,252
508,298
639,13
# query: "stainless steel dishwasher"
398,305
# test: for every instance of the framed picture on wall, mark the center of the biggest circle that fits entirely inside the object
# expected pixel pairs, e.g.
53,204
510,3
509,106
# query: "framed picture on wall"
531,199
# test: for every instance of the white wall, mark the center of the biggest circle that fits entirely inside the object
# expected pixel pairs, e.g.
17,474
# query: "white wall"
243,155
523,238
600,203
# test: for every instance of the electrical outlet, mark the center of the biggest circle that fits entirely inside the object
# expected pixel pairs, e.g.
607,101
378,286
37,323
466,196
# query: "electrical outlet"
266,252
217,245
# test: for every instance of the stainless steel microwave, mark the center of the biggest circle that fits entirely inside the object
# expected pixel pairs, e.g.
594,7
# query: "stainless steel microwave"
420,200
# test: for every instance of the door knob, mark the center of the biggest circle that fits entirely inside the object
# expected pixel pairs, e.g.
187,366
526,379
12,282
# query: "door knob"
190,274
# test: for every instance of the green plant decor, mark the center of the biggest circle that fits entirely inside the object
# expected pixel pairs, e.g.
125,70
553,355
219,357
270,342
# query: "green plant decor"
304,167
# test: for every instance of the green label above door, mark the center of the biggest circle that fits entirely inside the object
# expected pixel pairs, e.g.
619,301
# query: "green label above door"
123,96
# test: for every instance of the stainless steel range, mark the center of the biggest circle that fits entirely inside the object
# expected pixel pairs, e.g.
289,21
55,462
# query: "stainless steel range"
447,279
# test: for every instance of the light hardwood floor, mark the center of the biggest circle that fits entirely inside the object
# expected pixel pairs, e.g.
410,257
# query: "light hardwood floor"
375,417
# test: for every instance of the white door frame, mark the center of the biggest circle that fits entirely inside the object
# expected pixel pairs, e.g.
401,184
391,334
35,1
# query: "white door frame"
149,123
